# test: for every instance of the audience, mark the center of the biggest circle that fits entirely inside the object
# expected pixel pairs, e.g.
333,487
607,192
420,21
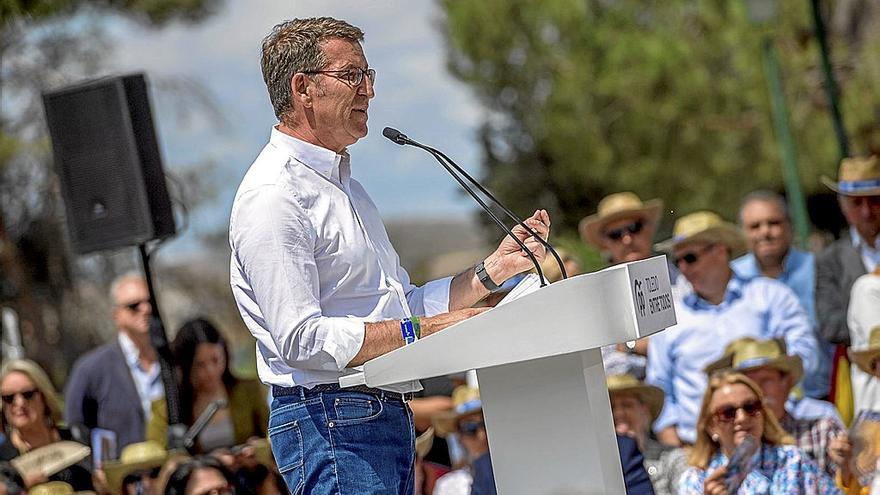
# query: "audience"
765,221
733,409
634,407
623,229
105,382
717,307
31,418
203,475
465,420
766,363
202,357
863,314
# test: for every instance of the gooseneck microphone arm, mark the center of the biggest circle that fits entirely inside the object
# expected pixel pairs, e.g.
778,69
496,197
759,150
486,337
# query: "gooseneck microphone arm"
506,210
402,139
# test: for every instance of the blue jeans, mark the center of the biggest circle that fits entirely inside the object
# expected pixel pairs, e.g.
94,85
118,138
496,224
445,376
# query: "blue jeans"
343,442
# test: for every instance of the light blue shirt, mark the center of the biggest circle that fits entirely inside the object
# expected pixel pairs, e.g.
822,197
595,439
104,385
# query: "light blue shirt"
758,307
799,274
870,255
807,408
147,382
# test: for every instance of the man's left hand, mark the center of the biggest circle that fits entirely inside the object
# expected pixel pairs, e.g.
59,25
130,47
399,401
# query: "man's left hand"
509,260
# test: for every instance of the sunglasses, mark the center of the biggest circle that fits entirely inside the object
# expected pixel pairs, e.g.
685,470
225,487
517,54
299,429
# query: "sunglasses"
693,256
27,395
631,229
133,306
726,414
470,428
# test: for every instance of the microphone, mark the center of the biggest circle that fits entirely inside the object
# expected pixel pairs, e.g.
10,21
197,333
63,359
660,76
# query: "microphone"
201,422
402,139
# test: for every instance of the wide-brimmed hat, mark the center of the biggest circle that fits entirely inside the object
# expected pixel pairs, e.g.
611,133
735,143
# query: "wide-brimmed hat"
858,176
748,354
135,457
52,488
650,395
50,459
865,356
705,226
614,207
465,401
424,442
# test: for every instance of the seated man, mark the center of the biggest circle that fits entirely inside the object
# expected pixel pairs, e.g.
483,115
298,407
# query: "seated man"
634,407
717,307
766,363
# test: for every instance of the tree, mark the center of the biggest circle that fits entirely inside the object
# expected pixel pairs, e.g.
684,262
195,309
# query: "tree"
665,98
43,43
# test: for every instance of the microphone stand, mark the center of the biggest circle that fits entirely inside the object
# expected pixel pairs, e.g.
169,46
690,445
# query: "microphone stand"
401,139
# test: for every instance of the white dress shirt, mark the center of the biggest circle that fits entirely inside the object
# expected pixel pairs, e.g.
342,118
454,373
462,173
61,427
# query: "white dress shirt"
870,255
311,264
148,382
863,314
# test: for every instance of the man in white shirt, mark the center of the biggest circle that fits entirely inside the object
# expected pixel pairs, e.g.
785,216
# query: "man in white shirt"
317,281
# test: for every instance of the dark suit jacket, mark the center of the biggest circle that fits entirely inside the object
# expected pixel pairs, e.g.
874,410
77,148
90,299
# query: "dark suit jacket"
837,268
635,478
101,393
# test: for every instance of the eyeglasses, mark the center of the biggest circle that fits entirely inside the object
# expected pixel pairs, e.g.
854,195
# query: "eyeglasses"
726,414
693,256
353,76
631,229
27,395
470,428
134,306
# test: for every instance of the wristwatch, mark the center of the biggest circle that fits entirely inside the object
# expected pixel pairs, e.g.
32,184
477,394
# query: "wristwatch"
485,279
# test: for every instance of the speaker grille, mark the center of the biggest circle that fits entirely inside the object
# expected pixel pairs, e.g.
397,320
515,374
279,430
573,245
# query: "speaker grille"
99,130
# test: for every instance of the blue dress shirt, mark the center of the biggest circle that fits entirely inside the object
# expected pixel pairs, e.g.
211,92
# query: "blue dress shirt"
757,307
799,274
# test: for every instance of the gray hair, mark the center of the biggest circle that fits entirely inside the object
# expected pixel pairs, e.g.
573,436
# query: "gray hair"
125,277
293,47
764,196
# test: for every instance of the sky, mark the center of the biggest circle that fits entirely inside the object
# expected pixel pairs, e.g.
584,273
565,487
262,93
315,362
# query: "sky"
414,93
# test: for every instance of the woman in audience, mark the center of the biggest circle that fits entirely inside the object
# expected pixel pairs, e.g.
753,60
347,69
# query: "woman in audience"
202,356
31,414
733,410
203,475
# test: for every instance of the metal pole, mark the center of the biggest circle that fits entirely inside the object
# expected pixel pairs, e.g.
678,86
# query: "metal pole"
794,192
831,89
159,340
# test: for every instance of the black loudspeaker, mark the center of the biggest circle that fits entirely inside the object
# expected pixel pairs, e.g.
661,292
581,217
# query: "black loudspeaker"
107,157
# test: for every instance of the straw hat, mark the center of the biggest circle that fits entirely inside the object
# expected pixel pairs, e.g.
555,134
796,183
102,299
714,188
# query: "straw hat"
424,442
705,226
858,176
465,401
748,354
863,357
135,457
650,395
51,458
51,488
614,207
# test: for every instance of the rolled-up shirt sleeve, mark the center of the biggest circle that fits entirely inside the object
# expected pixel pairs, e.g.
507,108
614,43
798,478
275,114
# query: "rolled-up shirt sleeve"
273,250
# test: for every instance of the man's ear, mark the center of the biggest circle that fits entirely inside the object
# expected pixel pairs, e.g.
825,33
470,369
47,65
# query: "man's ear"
301,89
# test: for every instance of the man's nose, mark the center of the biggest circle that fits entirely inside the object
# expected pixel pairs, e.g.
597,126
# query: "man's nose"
368,88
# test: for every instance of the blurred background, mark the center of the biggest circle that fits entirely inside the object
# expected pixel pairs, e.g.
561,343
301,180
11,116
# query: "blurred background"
554,103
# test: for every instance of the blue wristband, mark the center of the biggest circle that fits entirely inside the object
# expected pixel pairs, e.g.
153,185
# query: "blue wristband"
407,331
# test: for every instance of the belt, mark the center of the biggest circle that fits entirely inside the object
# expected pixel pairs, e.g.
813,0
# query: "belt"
299,391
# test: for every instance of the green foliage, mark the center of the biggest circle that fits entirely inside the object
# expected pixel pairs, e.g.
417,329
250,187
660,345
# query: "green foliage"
666,98
149,11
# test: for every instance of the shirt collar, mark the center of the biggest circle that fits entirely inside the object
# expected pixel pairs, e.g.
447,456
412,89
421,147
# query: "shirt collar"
332,165
733,292
129,350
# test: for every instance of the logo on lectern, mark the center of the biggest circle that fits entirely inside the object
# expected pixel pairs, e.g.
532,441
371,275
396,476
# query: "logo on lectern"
639,296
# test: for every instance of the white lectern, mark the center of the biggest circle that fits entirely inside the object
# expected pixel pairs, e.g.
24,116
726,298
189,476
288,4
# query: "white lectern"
542,382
